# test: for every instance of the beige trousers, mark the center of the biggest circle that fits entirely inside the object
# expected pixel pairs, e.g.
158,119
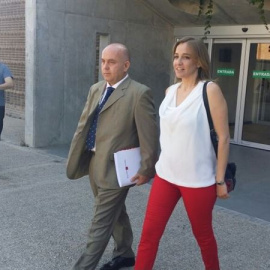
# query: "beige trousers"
110,219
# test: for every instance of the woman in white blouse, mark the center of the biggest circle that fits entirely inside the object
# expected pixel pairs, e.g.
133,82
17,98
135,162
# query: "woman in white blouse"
187,167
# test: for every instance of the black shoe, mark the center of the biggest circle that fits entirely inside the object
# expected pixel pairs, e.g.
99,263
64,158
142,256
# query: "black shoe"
118,262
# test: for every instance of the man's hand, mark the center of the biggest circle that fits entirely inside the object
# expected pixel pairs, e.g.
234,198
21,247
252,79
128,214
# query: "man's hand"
8,84
141,179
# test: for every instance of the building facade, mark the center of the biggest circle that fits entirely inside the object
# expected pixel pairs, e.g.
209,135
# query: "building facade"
12,52
64,39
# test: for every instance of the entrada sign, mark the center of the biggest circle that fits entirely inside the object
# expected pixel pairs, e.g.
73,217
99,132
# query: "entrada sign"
261,74
225,71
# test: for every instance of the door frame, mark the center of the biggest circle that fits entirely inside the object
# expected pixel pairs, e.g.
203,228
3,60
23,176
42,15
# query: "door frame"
237,131
243,95
242,86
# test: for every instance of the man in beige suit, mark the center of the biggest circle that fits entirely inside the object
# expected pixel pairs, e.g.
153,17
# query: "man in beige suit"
126,120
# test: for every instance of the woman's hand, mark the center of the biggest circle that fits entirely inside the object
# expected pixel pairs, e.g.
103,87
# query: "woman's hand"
222,191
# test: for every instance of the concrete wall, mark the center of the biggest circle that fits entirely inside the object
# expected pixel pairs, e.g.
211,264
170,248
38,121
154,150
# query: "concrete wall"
61,56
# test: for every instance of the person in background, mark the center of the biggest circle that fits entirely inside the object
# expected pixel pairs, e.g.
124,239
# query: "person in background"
187,167
6,82
119,114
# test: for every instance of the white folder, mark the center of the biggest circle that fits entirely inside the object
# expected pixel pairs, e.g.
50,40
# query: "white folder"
127,164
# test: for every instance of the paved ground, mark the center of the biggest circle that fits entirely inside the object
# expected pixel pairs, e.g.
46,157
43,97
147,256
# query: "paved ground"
45,216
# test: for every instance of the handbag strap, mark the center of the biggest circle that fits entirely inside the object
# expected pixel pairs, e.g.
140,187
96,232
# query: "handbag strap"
209,117
206,105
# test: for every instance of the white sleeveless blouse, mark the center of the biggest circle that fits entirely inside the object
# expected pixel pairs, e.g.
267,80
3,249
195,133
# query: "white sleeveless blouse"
187,156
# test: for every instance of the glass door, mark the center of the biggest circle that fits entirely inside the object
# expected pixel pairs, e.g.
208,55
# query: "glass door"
226,69
255,119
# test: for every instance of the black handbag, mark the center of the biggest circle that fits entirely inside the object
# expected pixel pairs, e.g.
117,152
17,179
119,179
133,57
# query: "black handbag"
230,172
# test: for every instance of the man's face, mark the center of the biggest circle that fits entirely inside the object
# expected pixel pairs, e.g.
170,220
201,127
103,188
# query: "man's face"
114,64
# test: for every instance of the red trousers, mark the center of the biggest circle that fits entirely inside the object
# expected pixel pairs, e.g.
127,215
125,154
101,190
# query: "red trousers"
199,203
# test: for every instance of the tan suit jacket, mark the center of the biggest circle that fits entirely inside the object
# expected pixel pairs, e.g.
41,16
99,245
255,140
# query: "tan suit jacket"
127,120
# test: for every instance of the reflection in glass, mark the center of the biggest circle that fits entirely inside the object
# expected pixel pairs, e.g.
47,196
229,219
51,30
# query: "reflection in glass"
225,68
256,122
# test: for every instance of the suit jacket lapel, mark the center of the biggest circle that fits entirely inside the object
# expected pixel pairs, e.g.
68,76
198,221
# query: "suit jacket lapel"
117,94
97,93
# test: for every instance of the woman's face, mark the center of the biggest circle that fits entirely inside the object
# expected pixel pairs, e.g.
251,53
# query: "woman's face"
185,62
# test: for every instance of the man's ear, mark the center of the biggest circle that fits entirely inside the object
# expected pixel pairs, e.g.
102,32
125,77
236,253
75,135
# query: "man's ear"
127,65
